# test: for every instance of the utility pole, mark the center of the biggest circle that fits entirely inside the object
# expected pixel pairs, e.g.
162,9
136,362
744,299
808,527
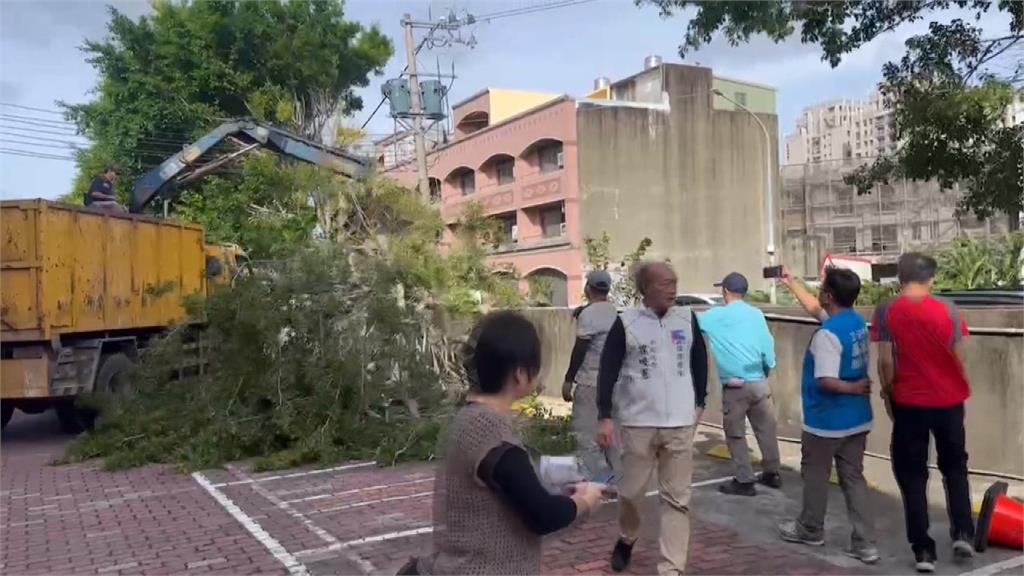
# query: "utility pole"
770,244
417,110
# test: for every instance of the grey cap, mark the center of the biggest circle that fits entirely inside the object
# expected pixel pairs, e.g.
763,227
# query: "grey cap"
734,282
599,280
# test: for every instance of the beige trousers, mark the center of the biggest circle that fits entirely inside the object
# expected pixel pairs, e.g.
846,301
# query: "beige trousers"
670,450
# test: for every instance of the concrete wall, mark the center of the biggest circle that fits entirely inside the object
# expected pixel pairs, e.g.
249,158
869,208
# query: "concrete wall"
995,427
760,99
690,178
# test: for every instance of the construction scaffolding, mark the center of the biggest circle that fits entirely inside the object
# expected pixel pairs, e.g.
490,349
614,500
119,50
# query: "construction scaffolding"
822,215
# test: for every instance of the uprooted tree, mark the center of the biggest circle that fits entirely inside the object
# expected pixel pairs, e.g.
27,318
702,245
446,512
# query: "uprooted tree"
344,350
949,91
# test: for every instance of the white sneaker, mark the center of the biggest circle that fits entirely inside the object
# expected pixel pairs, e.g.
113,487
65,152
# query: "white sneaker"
867,554
963,550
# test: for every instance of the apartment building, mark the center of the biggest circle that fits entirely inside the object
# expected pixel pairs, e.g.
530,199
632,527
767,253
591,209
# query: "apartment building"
842,130
653,155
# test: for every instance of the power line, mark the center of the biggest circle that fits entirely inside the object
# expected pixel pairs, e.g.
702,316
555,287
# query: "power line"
42,145
34,137
37,119
531,9
40,131
33,154
48,111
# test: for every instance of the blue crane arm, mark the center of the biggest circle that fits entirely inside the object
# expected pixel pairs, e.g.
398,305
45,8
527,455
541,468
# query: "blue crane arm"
160,181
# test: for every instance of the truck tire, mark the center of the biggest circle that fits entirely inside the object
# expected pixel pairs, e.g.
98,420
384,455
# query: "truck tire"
110,380
69,417
6,411
111,377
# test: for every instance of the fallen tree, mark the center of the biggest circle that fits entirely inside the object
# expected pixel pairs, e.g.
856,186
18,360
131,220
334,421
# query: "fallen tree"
345,350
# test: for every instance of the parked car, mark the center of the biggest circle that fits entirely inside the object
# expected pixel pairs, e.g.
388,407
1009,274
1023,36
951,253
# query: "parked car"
699,300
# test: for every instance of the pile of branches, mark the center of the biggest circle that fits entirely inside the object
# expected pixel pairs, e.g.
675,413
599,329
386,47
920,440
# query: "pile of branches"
343,351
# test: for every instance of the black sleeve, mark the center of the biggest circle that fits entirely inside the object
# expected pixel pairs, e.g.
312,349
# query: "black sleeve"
699,365
579,352
96,185
507,471
611,364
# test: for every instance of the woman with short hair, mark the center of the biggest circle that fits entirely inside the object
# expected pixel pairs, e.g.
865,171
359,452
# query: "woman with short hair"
491,509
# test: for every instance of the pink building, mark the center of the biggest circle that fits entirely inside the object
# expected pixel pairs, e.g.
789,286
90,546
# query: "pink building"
515,154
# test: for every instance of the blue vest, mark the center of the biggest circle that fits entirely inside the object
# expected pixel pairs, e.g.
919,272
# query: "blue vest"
839,415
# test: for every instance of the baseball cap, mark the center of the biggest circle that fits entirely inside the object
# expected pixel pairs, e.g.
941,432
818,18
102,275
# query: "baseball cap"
599,280
734,282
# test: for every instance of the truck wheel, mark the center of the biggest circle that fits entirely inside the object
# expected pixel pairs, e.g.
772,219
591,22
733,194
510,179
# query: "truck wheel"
112,377
111,380
6,411
71,419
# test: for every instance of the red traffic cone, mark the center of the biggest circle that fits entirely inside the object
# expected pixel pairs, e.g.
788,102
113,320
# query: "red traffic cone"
1001,520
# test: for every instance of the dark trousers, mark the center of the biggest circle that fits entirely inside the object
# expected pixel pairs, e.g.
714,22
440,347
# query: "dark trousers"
911,433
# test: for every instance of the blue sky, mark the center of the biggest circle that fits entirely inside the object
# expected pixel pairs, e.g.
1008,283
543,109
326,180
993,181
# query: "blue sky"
559,51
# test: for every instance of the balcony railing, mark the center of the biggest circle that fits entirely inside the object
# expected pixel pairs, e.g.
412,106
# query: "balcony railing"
533,190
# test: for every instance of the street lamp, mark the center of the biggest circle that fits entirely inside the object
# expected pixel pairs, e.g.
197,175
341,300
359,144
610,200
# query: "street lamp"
770,247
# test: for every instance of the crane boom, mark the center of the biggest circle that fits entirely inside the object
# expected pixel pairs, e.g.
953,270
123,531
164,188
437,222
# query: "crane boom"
180,168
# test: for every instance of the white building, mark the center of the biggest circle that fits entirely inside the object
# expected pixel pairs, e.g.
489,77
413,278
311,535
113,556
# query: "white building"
842,130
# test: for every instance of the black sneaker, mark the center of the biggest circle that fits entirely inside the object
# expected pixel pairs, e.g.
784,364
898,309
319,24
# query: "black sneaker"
737,488
770,479
621,555
924,561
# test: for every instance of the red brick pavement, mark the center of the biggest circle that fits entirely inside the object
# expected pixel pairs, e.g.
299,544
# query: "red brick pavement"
152,520
79,520
586,549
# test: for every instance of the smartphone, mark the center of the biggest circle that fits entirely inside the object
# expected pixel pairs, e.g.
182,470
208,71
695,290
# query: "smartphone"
772,271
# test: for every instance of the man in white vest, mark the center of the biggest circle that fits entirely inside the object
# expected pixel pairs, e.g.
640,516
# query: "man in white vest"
653,381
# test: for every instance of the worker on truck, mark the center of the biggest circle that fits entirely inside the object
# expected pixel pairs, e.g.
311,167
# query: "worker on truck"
101,191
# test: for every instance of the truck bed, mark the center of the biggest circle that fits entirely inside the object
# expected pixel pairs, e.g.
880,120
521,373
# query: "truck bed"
66,268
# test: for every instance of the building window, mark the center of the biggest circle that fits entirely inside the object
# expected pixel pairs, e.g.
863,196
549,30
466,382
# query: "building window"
844,239
467,182
888,197
435,190
884,238
550,158
552,221
506,170
509,231
843,204
741,98
916,231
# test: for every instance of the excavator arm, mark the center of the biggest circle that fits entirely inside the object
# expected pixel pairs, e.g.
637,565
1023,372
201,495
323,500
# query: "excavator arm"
180,169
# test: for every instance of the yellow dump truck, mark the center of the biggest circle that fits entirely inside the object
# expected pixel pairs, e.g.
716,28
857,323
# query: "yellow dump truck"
83,293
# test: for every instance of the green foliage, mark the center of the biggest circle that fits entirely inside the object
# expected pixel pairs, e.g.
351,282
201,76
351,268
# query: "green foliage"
970,263
264,208
169,77
340,350
872,293
946,91
598,258
544,432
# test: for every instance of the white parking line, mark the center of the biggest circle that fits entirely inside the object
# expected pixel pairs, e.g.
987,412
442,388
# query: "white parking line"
358,490
365,566
371,502
996,568
248,480
275,548
429,529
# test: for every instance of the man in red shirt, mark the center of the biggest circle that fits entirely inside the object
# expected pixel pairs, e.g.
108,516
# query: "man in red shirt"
920,363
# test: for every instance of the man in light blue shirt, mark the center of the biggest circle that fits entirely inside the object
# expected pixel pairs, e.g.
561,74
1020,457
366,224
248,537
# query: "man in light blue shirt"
744,353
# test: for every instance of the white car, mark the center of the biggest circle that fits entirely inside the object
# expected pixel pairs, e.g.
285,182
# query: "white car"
699,300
